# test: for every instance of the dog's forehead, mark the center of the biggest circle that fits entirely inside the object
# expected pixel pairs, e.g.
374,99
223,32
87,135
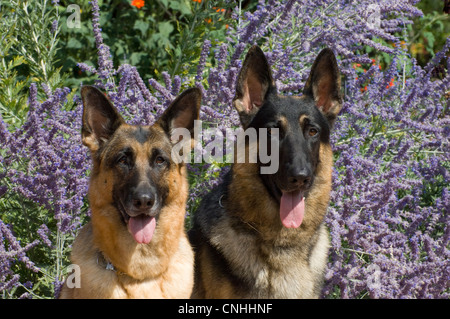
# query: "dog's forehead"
298,104
142,137
293,108
138,133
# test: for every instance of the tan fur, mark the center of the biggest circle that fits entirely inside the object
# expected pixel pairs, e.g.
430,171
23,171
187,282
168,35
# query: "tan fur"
275,273
242,248
161,269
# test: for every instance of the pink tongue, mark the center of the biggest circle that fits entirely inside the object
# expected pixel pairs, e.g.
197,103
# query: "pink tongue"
292,209
142,228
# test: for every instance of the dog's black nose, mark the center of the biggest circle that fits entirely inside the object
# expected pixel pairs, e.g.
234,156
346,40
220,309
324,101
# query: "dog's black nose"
143,200
299,178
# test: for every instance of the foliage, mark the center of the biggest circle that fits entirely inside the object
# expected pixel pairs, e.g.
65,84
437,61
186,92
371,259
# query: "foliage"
161,35
429,32
388,217
28,54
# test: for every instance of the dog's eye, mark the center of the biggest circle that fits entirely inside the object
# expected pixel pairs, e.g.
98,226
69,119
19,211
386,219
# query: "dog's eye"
123,160
312,132
160,160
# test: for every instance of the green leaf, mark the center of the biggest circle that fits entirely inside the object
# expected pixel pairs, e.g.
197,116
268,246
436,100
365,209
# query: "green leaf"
165,28
74,44
136,57
141,25
17,60
430,38
181,6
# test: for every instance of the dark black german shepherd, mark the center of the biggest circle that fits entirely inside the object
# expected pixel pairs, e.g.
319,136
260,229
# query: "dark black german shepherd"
262,235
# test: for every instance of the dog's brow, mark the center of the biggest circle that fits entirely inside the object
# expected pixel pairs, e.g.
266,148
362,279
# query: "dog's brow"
302,119
283,123
141,134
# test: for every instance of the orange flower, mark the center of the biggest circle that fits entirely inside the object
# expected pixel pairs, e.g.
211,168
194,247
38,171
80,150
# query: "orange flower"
402,44
138,3
199,1
218,10
391,84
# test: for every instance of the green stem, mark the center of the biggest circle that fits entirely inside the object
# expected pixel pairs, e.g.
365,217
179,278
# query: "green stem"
191,29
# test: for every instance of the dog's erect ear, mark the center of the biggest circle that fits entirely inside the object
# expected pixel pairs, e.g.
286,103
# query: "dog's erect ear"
100,118
253,83
324,84
182,112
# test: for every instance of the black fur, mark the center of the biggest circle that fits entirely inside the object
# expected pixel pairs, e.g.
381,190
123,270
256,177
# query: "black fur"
242,249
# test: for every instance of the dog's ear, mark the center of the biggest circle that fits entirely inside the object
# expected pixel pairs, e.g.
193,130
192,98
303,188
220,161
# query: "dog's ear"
100,118
253,84
182,112
324,84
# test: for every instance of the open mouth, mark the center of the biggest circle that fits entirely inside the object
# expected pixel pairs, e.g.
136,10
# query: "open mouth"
292,205
292,208
140,226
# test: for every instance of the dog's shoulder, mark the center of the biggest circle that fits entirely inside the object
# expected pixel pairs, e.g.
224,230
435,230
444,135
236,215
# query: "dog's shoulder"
82,247
210,211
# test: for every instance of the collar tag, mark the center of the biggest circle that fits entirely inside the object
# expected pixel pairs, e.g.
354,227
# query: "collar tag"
103,262
110,266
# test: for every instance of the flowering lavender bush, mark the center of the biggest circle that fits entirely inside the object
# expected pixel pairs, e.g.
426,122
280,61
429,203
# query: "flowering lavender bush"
388,217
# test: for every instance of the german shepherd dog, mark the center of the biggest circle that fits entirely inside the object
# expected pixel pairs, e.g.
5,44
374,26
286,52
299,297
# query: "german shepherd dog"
262,235
135,245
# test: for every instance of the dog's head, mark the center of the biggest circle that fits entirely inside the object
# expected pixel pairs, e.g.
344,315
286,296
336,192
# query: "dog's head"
133,168
303,124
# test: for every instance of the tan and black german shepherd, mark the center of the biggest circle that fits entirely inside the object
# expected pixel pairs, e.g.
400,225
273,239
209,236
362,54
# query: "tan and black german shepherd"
135,245
262,235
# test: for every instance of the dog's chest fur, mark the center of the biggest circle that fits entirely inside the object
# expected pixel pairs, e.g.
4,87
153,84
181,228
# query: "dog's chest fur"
272,269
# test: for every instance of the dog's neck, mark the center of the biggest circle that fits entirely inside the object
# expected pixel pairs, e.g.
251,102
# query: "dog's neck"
260,211
139,261
256,208
105,263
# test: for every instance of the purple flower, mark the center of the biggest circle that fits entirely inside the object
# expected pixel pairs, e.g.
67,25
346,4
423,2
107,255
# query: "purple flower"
105,63
388,220
11,252
201,64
